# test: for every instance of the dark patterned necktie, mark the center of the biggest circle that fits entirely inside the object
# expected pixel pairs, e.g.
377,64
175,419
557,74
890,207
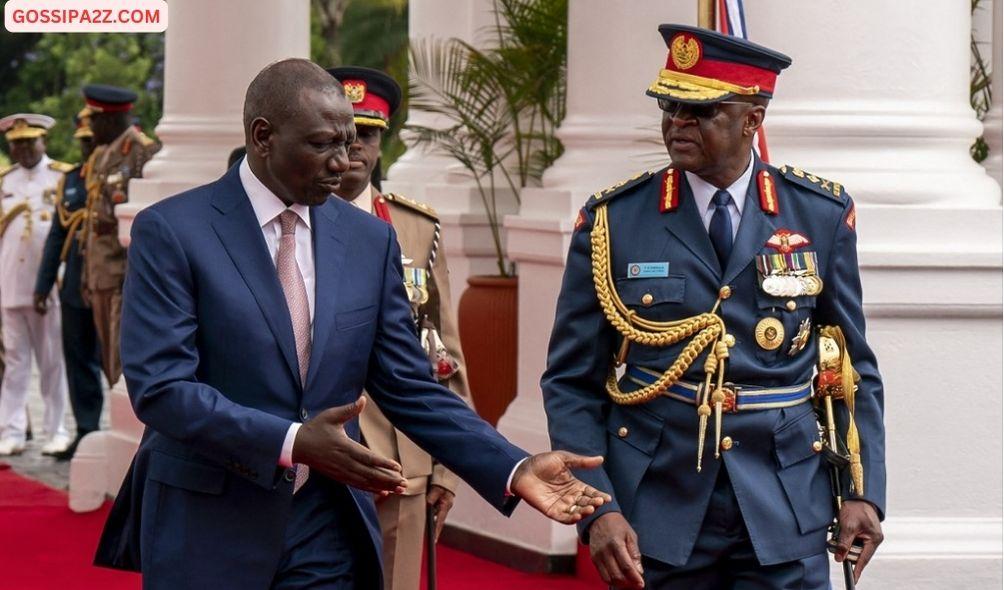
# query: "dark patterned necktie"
720,228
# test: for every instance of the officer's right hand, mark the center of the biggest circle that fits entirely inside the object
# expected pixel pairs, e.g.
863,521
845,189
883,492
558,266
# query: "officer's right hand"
41,304
323,445
613,545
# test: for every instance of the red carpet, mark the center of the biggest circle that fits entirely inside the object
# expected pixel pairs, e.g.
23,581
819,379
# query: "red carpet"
44,545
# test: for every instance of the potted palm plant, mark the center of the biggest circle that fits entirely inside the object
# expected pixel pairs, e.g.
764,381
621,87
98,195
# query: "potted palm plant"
501,107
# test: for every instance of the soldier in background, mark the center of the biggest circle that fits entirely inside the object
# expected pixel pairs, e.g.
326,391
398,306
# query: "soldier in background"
80,341
25,215
375,96
120,152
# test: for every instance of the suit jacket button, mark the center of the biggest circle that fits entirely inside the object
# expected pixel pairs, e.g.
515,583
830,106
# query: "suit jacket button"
791,305
303,414
622,432
290,475
727,443
725,292
647,299
817,446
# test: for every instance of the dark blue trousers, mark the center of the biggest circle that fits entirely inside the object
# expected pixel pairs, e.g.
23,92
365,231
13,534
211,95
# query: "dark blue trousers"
83,367
327,546
723,557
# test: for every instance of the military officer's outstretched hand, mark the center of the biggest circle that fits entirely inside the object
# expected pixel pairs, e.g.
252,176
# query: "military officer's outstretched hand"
545,481
322,444
859,521
613,547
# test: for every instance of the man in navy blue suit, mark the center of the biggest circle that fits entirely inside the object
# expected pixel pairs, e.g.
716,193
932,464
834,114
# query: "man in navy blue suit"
256,309
705,283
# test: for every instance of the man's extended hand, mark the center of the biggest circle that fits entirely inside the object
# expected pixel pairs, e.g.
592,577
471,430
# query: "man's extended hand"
546,482
323,445
441,499
41,304
613,546
858,520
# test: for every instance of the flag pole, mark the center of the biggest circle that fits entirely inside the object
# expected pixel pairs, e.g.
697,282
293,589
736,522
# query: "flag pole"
706,14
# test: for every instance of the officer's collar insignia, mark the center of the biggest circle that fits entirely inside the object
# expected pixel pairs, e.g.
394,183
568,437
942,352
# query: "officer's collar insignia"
768,193
580,220
669,196
685,51
786,241
355,91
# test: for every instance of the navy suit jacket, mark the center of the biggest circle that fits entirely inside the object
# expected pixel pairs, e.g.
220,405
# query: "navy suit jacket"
780,481
210,363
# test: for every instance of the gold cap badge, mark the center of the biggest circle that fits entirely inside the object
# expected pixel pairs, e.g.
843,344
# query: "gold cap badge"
355,91
685,52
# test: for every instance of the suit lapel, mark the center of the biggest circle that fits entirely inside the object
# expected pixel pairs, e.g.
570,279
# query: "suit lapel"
329,257
685,223
238,230
755,228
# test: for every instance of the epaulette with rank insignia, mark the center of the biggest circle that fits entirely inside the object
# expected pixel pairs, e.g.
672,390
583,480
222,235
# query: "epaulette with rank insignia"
413,205
60,166
619,188
828,188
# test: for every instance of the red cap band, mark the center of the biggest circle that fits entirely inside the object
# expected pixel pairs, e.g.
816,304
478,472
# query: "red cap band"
364,100
104,107
733,73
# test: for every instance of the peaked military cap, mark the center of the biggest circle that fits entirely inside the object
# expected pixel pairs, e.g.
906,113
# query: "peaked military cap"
374,95
705,66
25,126
102,98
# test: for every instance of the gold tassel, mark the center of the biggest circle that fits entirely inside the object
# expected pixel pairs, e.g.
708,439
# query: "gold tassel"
847,378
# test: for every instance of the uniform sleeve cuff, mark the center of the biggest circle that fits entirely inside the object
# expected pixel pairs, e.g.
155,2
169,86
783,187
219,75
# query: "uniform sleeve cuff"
286,456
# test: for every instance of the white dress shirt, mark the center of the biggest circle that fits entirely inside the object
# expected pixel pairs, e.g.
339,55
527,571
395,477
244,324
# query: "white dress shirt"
704,192
267,208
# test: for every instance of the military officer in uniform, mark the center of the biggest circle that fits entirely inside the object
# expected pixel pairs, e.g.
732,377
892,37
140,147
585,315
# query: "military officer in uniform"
375,96
80,341
120,152
685,343
25,215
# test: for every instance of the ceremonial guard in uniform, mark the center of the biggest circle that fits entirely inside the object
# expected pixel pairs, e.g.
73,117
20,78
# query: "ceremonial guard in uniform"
27,189
120,152
80,341
697,305
375,96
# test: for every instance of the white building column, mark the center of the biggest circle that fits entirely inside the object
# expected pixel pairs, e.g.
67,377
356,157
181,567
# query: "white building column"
992,123
880,103
213,51
431,176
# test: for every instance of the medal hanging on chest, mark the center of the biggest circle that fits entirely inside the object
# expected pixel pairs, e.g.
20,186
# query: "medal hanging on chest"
789,275
416,283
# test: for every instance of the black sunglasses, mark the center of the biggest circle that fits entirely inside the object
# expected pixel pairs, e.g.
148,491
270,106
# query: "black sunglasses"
703,111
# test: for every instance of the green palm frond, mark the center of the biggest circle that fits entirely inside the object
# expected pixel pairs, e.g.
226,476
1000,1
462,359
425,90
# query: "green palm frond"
500,106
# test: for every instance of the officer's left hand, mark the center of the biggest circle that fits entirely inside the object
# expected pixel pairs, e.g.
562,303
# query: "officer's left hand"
858,520
41,304
441,499
546,482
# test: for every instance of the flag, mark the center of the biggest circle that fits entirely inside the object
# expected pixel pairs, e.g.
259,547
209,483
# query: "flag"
732,21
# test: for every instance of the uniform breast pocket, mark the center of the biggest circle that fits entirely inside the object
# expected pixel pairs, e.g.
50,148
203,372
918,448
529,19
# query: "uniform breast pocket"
780,321
652,293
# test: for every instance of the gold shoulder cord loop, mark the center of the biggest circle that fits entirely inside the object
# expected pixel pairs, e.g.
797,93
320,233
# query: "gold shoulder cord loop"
704,330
